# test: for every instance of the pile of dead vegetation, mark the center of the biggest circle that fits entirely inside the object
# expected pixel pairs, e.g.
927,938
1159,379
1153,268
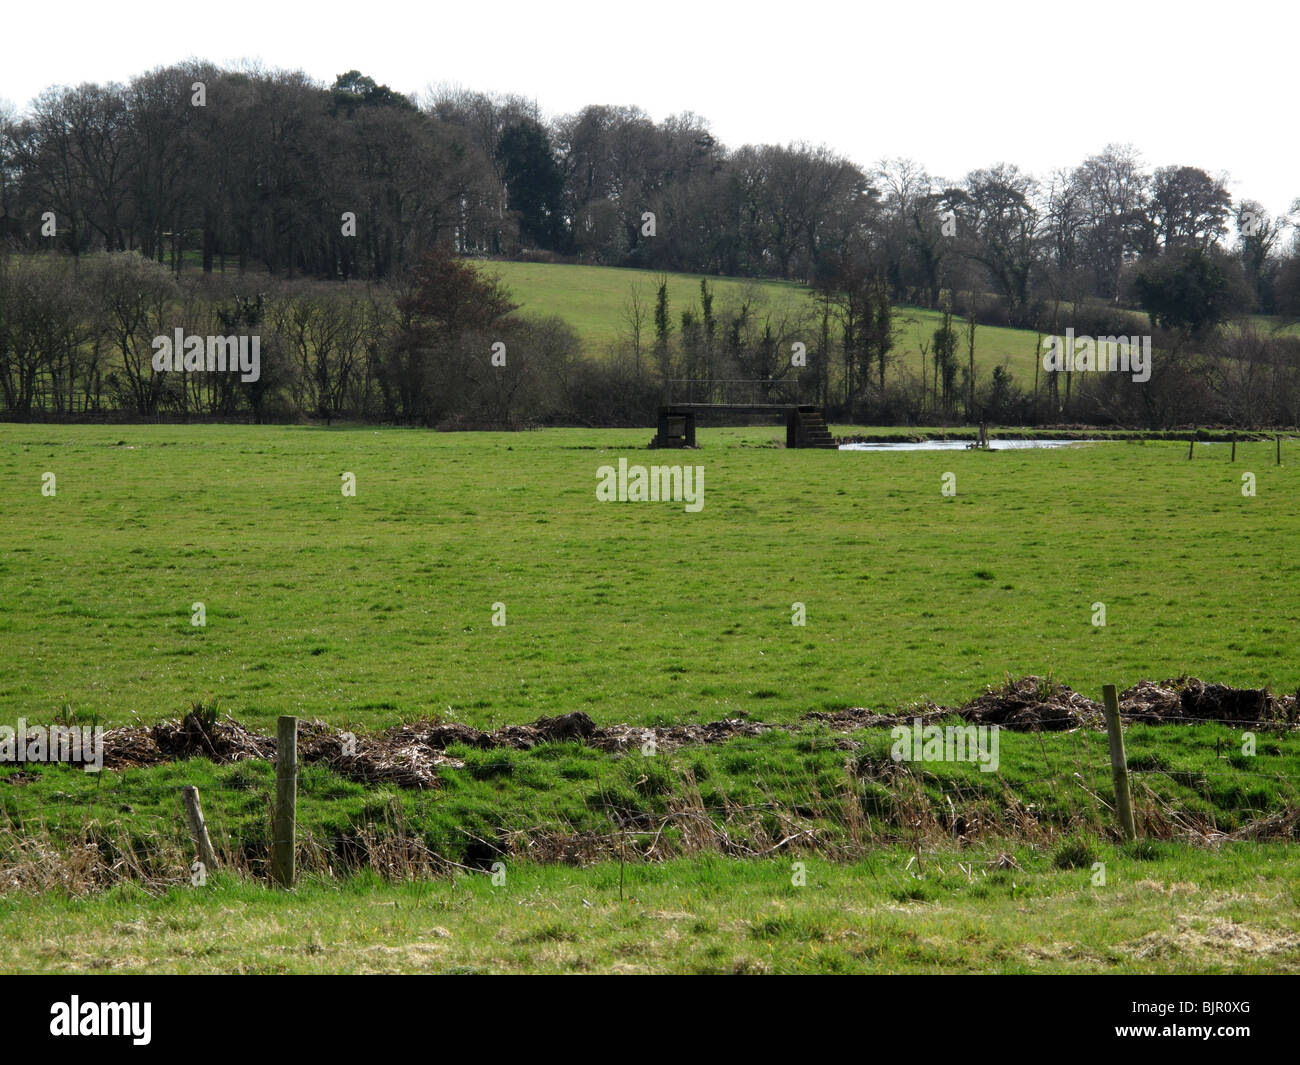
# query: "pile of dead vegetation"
397,755
1038,704
410,755
578,727
199,734
1033,704
1188,700
407,755
1029,704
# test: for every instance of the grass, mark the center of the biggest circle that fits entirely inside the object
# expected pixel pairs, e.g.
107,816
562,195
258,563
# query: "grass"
834,795
367,610
370,610
592,299
1183,910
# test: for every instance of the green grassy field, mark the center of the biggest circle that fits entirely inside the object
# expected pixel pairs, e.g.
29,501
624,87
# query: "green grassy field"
376,608
1182,910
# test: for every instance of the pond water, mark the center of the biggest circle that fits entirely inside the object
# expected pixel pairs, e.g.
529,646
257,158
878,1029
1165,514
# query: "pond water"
960,445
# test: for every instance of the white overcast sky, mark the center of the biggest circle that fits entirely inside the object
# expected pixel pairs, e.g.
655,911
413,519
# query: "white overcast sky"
953,85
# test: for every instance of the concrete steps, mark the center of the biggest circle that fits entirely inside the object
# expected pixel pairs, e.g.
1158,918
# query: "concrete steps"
809,429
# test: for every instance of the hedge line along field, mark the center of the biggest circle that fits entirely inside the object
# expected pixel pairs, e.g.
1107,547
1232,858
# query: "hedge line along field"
367,610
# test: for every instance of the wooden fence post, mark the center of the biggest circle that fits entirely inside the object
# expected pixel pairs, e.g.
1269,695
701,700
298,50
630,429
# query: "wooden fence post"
283,822
1278,438
1234,447
1191,443
198,829
1118,763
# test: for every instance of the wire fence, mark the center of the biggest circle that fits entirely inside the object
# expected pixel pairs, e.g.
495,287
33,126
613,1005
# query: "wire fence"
649,807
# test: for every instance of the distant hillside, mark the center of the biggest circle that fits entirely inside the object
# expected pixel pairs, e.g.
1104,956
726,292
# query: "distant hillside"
592,300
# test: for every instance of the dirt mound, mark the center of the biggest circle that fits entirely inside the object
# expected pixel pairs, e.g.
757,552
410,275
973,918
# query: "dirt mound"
132,745
222,741
1032,704
575,726
197,735
397,756
578,727
410,755
1150,703
440,737
1189,700
1035,704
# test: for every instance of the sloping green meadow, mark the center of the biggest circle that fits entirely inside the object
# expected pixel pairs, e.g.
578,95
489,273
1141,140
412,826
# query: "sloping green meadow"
369,609
593,300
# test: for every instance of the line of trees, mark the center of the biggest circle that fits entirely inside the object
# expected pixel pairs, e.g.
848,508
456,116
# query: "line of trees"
236,200
77,340
856,368
445,345
252,168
